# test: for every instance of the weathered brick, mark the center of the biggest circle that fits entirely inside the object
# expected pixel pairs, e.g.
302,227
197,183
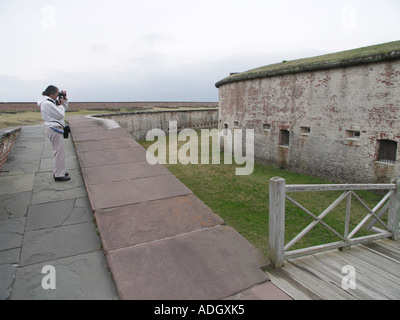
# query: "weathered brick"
333,103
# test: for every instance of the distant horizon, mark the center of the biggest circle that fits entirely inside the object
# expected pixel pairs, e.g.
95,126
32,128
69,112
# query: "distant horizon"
153,101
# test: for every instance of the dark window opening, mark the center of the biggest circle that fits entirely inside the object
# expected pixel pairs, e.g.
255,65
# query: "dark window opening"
226,129
387,151
284,138
352,134
266,126
305,130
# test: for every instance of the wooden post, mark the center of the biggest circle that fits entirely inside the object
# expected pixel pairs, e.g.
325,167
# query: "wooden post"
394,212
277,220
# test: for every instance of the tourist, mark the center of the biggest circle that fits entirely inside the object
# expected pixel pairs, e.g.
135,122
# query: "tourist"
52,106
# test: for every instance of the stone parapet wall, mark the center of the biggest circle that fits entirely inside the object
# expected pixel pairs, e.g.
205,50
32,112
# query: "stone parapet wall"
8,137
140,123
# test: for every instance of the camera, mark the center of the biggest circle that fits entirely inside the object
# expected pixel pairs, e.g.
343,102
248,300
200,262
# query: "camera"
62,95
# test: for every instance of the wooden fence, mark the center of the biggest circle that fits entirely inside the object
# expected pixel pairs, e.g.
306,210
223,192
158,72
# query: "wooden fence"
278,191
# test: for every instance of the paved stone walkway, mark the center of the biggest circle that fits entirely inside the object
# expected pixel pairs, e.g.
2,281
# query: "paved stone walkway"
160,241
43,222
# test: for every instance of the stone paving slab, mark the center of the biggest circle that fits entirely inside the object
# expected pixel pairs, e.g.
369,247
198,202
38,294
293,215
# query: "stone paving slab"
24,155
87,126
11,233
77,278
202,265
10,256
106,144
54,243
20,168
111,156
15,184
45,189
21,148
122,172
135,191
14,205
97,136
59,213
149,221
7,272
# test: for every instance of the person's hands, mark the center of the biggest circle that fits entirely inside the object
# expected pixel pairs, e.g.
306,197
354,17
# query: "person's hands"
62,98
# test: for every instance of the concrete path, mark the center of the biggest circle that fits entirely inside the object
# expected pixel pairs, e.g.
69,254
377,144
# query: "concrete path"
159,239
43,222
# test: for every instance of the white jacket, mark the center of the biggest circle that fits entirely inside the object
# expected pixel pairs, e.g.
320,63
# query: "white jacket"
51,113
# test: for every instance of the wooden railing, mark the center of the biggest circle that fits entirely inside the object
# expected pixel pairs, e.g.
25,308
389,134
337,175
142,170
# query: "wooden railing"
278,195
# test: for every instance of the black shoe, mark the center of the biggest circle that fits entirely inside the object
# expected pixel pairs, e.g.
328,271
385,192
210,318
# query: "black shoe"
62,179
66,175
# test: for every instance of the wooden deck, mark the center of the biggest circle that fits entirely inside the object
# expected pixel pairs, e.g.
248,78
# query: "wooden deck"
319,276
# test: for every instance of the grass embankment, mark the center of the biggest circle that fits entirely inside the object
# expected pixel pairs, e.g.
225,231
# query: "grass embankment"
243,201
11,119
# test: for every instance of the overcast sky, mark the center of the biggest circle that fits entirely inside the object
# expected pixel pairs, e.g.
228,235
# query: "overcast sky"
171,50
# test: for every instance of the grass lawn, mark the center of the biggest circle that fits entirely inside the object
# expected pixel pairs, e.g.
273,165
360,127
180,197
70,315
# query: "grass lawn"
243,201
28,118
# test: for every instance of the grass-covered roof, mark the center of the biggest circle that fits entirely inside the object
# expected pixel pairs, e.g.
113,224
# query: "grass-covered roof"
365,55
